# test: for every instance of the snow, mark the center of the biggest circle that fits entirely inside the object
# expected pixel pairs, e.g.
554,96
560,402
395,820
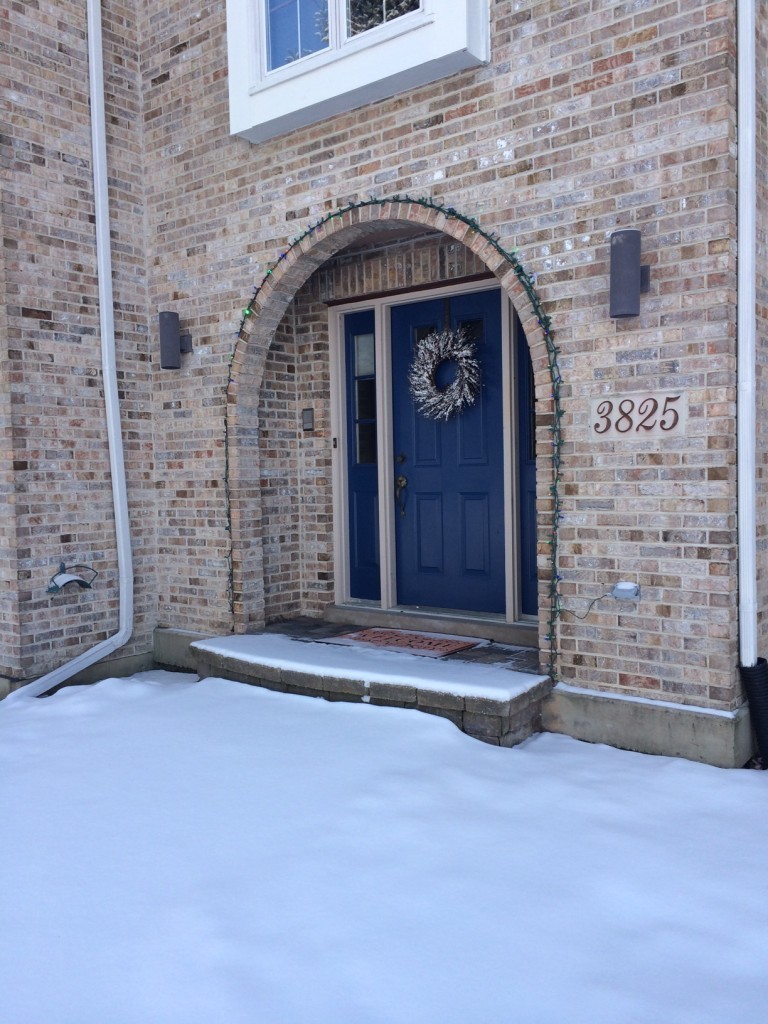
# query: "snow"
371,664
647,701
182,852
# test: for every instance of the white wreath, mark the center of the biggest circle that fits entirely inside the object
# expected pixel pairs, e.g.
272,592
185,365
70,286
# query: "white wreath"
444,347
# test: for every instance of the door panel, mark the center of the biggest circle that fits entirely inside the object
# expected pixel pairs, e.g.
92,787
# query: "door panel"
429,529
475,534
426,442
449,528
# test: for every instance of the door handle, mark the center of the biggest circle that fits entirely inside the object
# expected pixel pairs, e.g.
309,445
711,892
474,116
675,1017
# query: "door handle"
400,484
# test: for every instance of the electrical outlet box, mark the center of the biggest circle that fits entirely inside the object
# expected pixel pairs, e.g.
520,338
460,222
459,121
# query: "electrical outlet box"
625,591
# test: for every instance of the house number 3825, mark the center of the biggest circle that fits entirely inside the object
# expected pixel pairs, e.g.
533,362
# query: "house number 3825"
639,416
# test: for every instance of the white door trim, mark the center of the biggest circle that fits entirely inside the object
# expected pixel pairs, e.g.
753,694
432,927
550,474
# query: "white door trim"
386,475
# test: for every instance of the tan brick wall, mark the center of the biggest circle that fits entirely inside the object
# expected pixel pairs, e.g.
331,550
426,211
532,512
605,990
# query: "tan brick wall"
10,652
283,513
62,508
592,116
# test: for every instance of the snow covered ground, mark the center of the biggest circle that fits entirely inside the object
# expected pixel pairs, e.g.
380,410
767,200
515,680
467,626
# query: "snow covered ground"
181,852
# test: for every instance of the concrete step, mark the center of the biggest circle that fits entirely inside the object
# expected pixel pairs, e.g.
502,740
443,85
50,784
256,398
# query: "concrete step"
482,691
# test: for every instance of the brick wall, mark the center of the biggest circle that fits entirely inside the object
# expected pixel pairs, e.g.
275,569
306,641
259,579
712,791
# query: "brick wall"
279,474
592,116
10,656
62,505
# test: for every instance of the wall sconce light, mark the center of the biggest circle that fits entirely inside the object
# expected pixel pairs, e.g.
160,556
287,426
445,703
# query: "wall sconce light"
82,575
172,343
307,419
628,278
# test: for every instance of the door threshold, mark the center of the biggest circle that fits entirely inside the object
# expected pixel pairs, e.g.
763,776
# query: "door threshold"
437,620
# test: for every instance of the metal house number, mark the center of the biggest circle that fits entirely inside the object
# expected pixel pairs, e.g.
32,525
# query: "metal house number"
634,417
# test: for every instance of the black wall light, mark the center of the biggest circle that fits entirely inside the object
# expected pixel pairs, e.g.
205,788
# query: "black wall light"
172,343
628,278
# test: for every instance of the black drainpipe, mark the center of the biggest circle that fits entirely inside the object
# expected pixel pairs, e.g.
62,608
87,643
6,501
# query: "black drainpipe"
755,682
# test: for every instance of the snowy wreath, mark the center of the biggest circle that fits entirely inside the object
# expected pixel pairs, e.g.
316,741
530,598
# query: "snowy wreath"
437,348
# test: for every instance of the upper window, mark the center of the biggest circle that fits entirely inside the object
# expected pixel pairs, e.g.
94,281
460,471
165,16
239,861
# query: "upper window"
297,28
365,14
293,62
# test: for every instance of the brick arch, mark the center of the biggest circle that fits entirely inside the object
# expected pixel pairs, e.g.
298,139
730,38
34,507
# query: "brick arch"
265,312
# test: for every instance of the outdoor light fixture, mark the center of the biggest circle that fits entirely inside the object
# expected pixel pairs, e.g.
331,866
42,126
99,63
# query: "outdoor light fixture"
628,278
172,343
82,575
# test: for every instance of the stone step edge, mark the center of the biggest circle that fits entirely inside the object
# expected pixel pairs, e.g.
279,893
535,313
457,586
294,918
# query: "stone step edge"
503,720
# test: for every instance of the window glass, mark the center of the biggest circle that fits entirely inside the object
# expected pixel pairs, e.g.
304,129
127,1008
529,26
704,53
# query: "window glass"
363,347
366,399
365,14
364,358
420,333
295,28
473,330
366,444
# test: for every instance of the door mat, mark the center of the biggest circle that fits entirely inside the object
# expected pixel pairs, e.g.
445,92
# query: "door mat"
427,645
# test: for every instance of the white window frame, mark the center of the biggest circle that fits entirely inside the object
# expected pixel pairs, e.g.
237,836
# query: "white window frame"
442,37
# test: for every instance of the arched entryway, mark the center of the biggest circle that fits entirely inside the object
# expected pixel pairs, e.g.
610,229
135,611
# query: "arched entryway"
358,226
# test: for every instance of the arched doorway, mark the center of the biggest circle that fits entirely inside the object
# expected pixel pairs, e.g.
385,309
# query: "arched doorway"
359,225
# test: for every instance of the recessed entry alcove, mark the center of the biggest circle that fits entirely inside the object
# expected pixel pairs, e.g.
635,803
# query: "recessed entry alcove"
346,500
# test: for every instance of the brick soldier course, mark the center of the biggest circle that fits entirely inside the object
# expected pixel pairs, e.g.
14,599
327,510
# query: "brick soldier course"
589,117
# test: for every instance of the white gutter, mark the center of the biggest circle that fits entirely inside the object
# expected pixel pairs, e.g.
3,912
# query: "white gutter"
109,375
746,334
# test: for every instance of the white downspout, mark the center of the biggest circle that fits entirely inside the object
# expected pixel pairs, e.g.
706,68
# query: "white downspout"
109,375
746,333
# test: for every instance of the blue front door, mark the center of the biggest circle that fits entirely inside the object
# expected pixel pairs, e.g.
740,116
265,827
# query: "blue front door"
449,514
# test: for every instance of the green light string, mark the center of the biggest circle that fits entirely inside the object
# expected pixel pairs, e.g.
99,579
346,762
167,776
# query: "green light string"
528,284
227,499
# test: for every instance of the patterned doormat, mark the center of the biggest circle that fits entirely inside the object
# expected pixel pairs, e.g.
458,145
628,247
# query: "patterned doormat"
426,645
